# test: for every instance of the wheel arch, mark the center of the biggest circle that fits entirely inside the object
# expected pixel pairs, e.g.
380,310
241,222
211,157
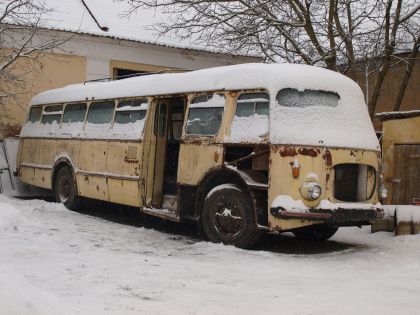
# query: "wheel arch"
60,162
218,176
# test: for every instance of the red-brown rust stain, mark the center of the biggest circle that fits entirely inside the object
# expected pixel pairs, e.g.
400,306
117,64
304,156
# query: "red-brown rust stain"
288,151
275,149
216,156
328,158
97,187
43,179
327,178
308,152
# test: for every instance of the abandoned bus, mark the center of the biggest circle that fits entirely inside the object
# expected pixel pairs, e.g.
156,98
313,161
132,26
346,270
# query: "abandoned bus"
240,149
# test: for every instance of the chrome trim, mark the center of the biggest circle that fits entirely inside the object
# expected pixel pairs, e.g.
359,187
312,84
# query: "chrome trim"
39,166
108,175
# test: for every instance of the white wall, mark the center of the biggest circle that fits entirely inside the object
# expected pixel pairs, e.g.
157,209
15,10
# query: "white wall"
99,51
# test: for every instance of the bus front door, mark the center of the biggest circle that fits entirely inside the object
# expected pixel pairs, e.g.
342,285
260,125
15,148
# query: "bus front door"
161,134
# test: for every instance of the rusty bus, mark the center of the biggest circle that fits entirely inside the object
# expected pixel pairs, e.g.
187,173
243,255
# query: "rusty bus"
239,149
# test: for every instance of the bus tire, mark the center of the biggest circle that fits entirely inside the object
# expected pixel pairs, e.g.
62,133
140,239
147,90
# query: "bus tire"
65,190
228,217
317,233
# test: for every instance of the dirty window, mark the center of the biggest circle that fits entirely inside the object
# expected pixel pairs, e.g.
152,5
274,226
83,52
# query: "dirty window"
101,112
52,114
252,103
177,119
205,115
35,114
294,98
74,113
131,111
250,123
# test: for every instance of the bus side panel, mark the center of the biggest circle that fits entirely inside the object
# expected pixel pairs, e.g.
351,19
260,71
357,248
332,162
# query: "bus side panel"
196,160
91,176
37,171
123,159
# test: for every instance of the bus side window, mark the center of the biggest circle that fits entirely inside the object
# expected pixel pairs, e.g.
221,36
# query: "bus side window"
52,114
130,117
101,113
99,118
35,114
74,113
251,104
205,115
250,123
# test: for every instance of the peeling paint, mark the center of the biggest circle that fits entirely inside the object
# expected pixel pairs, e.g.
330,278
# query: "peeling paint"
288,151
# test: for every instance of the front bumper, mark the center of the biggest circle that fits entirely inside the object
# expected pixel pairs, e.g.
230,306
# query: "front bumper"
338,215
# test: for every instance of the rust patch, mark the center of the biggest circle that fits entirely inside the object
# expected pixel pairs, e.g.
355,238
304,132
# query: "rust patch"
216,156
327,178
275,149
288,151
308,152
328,158
97,187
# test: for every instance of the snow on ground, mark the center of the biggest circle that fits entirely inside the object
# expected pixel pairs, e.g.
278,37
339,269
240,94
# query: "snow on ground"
54,259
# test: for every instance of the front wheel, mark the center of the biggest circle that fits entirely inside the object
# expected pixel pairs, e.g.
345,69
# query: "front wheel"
317,232
65,190
228,217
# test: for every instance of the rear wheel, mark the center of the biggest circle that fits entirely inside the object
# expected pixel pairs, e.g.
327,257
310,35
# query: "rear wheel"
317,232
228,217
65,190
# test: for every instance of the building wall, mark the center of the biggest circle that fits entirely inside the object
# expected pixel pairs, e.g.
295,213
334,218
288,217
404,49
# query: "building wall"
85,57
53,71
390,88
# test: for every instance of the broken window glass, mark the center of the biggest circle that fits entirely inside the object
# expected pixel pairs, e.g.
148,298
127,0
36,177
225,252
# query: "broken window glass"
205,115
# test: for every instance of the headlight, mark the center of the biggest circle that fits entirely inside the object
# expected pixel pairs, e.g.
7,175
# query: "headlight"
310,190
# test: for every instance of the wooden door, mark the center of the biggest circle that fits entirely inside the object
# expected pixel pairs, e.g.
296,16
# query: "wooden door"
406,176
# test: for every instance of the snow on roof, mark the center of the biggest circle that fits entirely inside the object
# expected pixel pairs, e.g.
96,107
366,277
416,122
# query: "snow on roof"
108,18
346,125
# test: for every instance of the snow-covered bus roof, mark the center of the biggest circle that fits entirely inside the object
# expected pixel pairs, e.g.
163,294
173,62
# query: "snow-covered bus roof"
347,125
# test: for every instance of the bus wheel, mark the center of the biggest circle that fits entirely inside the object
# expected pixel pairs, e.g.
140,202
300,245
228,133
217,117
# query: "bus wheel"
317,232
228,217
65,188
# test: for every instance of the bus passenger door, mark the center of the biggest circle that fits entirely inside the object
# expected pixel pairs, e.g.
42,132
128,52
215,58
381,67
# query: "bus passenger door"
160,131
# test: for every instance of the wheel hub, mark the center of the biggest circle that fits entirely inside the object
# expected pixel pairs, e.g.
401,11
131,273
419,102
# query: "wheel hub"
228,220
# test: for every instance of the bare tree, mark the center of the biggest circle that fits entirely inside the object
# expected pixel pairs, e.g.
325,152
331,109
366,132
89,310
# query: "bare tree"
21,48
336,34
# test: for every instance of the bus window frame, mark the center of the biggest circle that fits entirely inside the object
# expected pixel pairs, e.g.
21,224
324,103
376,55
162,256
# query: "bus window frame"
190,98
44,113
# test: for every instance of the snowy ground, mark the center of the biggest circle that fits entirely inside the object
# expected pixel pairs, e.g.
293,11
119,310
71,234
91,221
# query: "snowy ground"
54,261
